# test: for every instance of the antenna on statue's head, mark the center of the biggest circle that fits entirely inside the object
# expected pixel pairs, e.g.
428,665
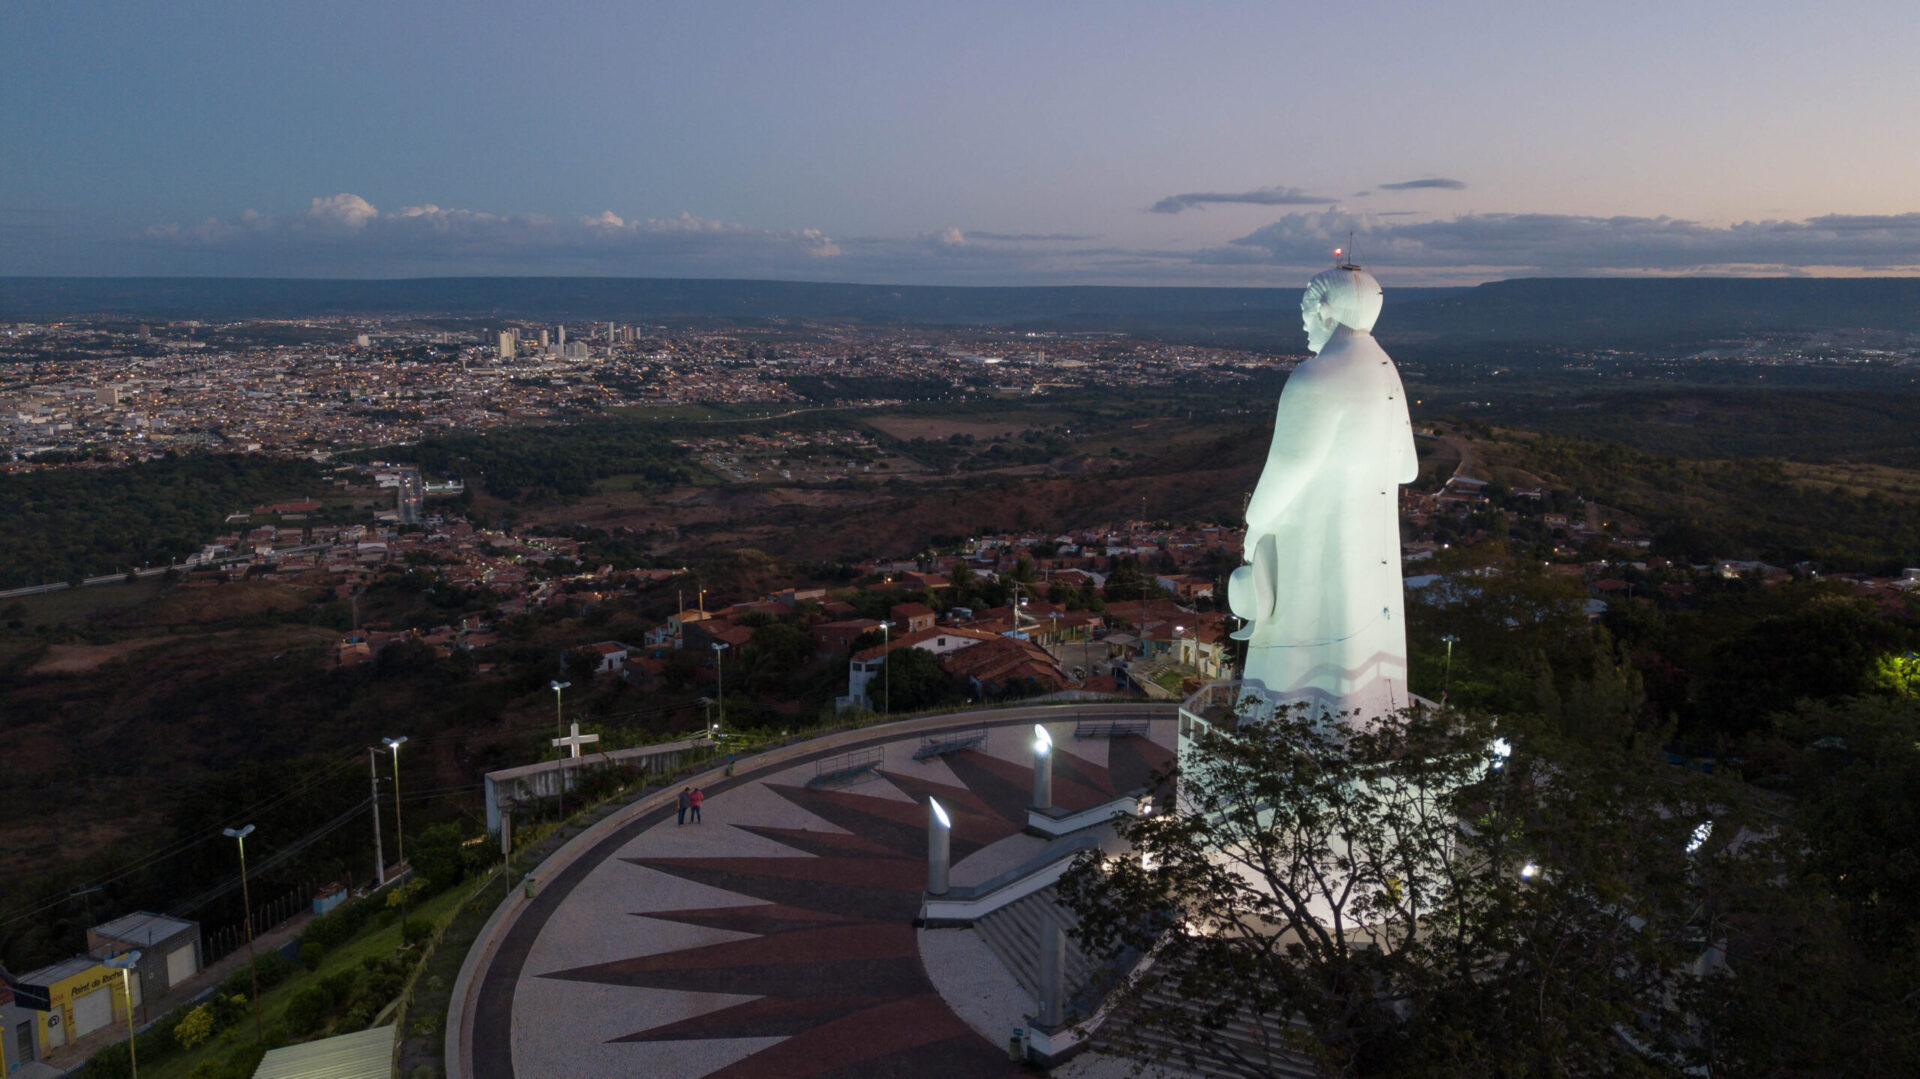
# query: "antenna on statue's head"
1351,260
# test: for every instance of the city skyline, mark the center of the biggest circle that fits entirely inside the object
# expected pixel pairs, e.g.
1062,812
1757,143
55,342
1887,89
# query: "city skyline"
1111,144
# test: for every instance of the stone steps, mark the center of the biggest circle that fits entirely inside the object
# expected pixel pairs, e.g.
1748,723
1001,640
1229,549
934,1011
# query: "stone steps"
1237,1051
1013,933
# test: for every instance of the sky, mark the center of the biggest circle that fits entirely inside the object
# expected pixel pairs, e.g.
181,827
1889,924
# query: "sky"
959,143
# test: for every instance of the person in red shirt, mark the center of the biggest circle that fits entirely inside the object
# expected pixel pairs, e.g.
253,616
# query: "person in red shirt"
693,802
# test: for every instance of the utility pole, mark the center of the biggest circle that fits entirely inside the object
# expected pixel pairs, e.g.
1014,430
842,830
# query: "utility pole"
379,859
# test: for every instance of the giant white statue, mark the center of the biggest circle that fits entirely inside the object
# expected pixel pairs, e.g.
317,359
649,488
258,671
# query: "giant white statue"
1321,591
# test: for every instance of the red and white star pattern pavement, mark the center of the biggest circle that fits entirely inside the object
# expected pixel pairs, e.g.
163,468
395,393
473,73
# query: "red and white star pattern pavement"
775,938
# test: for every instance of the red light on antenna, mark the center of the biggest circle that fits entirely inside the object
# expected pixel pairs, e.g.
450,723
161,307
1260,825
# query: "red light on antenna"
1338,251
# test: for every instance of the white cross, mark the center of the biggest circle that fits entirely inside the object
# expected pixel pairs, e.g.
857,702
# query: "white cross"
576,740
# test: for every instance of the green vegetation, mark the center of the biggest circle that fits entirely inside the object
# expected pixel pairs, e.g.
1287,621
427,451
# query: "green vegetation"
1605,914
564,462
68,523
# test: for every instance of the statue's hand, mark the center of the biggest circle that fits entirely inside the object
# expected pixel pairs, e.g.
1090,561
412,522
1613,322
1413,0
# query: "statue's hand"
1250,588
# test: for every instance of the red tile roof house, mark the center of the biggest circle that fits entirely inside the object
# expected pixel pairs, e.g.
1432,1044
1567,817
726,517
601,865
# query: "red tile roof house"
994,665
911,617
613,656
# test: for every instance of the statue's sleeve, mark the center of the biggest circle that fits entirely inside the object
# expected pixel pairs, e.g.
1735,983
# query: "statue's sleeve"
1403,443
1303,434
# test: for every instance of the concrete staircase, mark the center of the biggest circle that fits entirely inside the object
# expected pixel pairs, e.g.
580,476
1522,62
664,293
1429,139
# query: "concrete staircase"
1239,1051
1243,1049
1013,932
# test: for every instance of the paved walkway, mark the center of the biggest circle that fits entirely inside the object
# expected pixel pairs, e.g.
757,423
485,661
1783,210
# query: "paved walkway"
775,938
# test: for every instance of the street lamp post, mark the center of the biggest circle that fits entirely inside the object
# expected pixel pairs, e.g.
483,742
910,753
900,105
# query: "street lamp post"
1447,684
561,773
886,668
399,834
720,680
253,969
126,965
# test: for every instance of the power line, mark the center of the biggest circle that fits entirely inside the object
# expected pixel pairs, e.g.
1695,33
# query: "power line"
181,846
274,859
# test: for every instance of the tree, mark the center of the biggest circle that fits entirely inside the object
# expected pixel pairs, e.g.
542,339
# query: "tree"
961,581
1127,581
1420,904
913,679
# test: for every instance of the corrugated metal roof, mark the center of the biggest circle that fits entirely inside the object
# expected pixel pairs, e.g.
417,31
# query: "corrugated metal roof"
366,1055
142,928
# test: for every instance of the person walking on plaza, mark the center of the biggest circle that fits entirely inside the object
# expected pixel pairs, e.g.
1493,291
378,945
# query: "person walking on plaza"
685,801
694,800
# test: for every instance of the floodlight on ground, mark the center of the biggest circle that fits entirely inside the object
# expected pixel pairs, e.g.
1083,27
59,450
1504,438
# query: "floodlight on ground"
1700,836
939,847
1042,768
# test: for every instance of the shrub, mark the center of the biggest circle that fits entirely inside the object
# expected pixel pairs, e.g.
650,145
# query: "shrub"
308,1009
338,925
272,968
416,929
311,953
109,1063
339,985
378,988
195,1027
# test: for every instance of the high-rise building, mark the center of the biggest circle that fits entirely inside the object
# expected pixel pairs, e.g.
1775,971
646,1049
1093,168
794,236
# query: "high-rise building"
609,333
543,340
561,339
508,346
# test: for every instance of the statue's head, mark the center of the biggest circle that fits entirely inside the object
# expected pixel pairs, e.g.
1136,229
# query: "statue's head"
1343,296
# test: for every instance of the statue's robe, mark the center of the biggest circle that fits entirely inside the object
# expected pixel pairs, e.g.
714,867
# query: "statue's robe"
1323,536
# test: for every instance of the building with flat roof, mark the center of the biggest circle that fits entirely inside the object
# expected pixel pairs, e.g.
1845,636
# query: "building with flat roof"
169,949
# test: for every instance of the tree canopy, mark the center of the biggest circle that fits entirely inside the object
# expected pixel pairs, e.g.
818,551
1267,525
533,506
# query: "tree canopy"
1416,903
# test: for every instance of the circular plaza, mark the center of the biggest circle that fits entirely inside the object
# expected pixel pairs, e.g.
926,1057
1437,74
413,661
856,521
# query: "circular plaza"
776,936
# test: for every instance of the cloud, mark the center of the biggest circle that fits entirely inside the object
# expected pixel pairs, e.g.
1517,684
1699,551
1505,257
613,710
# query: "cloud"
347,211
347,236
1440,182
1266,196
1499,245
1031,237
345,233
